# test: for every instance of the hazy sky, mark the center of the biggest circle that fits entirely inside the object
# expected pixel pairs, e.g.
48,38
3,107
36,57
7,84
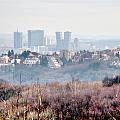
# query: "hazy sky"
87,17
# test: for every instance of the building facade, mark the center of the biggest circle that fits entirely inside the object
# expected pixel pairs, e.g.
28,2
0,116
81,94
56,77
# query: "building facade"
59,41
35,38
67,39
76,44
17,39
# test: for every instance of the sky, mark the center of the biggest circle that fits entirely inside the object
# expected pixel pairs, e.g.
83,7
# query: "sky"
86,17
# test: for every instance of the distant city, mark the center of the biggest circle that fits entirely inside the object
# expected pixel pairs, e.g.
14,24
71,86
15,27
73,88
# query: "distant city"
38,41
59,59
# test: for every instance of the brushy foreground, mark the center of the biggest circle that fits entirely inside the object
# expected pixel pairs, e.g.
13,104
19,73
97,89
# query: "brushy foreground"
54,101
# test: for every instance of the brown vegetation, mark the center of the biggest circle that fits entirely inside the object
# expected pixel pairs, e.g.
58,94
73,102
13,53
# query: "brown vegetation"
70,101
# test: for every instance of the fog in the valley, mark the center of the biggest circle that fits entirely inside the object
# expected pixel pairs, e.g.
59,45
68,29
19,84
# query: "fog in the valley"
22,74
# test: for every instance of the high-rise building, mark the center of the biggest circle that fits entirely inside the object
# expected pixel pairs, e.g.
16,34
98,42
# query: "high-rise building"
36,38
76,44
67,39
17,39
59,40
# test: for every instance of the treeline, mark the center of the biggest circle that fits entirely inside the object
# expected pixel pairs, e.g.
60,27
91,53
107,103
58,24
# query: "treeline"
109,81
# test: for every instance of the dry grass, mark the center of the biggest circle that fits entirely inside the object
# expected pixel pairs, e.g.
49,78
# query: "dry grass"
89,99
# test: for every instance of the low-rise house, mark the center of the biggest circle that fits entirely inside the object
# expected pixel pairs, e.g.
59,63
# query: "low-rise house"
67,54
31,61
53,63
76,59
106,57
115,64
15,61
116,52
4,59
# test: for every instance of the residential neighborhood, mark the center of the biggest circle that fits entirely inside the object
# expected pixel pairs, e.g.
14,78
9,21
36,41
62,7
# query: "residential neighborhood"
59,59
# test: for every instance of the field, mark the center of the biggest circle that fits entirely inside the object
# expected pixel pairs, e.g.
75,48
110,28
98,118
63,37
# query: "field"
55,101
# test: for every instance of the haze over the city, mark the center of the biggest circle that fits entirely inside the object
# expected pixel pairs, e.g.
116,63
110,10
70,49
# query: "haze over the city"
86,17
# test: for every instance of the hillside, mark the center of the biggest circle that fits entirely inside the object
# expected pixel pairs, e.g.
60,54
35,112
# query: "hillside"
73,100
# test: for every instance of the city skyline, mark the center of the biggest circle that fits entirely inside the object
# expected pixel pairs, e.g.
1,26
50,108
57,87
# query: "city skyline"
87,17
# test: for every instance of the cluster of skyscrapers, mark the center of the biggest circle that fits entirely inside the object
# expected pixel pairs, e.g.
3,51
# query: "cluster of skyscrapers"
63,42
36,39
